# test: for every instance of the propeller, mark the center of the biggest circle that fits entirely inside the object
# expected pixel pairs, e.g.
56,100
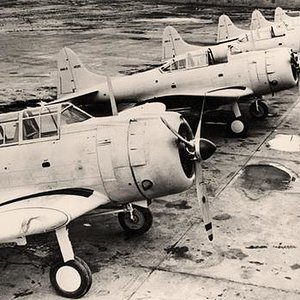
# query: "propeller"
199,149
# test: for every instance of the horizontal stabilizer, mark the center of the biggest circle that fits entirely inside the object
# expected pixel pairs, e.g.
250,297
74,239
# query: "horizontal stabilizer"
173,44
227,30
91,92
72,74
259,21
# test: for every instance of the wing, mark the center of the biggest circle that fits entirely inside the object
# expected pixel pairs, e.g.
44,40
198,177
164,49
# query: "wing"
227,94
75,97
231,92
186,102
45,211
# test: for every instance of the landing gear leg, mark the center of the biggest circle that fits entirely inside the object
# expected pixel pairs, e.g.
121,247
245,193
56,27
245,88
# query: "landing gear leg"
259,109
238,126
71,278
136,220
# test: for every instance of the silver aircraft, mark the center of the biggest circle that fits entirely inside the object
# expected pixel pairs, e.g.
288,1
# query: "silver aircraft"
58,163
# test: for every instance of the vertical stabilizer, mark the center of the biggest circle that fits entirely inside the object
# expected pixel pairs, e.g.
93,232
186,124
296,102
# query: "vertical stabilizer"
280,15
173,44
72,75
259,21
227,30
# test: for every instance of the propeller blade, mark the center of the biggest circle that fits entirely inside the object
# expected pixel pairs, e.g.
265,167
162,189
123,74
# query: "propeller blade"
203,150
112,99
203,200
198,134
176,133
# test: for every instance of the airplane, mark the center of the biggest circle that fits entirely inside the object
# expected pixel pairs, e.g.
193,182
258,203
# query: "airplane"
231,36
281,19
184,81
73,163
263,34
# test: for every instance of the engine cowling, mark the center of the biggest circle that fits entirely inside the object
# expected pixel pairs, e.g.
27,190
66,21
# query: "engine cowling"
282,68
139,158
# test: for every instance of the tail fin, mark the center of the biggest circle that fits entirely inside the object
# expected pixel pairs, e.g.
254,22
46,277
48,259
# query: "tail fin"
259,21
72,75
173,44
280,15
227,30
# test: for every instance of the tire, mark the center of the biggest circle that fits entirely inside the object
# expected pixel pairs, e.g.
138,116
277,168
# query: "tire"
142,222
71,279
237,127
259,111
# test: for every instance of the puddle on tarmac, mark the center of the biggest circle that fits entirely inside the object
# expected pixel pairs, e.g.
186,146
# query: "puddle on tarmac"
282,142
259,179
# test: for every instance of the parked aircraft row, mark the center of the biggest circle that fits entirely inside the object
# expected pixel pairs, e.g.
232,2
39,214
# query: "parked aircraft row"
182,82
191,73
74,162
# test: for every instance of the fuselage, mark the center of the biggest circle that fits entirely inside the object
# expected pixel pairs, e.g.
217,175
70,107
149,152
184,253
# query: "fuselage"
125,158
261,39
190,74
57,163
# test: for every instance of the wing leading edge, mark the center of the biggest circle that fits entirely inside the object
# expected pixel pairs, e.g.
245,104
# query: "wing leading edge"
46,211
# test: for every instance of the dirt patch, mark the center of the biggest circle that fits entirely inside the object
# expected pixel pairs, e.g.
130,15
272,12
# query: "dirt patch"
234,254
222,217
178,204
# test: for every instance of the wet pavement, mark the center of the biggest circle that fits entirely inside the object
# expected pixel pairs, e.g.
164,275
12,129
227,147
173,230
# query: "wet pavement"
252,182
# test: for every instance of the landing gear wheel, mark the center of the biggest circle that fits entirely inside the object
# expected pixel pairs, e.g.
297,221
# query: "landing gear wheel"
259,110
237,127
141,223
71,279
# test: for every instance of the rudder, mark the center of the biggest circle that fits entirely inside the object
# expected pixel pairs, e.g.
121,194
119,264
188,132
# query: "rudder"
72,75
173,44
259,21
227,30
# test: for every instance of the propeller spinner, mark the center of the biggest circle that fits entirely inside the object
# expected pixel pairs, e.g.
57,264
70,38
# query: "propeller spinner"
198,149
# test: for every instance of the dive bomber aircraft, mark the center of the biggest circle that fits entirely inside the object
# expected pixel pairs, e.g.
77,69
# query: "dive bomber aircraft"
73,163
262,33
185,80
281,19
230,36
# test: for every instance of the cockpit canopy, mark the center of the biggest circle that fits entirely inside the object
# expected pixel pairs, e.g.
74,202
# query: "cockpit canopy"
38,123
263,34
189,60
